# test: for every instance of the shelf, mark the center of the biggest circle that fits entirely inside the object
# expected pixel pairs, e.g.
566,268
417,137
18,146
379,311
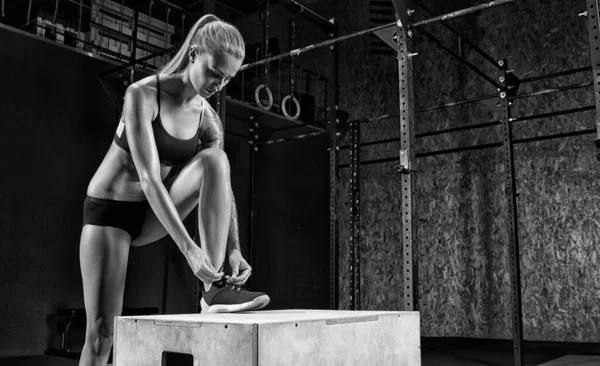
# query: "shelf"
239,115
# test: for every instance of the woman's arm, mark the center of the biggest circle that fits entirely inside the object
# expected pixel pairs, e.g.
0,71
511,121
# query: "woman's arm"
138,113
211,135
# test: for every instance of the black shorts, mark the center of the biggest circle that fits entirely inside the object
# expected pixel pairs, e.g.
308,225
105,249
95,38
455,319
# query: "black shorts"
126,215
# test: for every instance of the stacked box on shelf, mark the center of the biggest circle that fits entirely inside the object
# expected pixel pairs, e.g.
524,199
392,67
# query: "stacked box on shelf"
45,28
115,22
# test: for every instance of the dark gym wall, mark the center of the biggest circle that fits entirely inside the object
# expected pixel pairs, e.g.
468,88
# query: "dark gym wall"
461,208
292,223
57,126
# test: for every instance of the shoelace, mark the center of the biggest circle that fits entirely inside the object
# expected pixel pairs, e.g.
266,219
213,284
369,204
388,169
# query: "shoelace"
223,283
234,287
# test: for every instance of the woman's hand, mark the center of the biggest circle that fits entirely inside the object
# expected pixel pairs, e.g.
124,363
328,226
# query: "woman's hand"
240,269
200,264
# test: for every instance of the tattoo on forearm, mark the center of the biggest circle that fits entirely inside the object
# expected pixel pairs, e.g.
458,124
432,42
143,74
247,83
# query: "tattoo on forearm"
233,239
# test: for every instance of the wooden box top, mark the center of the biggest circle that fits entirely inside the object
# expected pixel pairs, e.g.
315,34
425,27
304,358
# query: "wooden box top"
272,316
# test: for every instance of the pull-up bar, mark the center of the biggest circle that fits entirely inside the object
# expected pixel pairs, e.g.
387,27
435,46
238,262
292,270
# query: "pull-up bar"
440,18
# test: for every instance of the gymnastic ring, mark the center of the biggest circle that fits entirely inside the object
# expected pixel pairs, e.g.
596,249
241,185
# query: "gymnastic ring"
269,94
284,109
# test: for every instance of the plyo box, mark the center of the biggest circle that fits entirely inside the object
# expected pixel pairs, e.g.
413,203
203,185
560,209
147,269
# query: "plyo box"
276,337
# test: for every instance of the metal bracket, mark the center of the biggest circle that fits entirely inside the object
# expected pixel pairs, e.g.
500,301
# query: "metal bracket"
257,138
389,36
404,167
404,10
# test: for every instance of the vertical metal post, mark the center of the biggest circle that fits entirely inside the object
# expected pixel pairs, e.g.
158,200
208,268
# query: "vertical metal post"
132,59
357,213
332,106
333,121
182,27
122,11
28,13
253,142
355,216
55,15
80,20
594,36
149,21
407,156
352,256
292,46
166,43
512,220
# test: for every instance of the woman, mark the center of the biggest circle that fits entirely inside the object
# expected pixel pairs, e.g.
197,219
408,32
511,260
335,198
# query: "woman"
155,173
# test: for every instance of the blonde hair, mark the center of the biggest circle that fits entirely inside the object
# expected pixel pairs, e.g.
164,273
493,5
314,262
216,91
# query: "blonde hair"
210,35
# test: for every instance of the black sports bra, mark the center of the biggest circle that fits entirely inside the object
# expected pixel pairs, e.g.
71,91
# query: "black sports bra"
171,150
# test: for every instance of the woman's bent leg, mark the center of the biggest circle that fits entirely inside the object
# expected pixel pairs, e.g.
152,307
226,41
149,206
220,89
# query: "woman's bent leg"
214,210
103,252
206,181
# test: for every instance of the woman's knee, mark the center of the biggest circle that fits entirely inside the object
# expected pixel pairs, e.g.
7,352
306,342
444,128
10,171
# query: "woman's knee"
215,161
99,334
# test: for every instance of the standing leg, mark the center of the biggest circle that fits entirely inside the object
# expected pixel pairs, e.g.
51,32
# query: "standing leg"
103,252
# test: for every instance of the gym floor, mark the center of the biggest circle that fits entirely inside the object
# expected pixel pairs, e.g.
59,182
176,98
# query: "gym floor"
435,352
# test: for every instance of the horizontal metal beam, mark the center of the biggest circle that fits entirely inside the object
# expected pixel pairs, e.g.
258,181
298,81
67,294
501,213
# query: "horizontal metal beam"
298,137
378,142
551,91
492,96
380,118
175,6
478,147
480,125
555,74
459,13
455,14
556,136
453,104
458,129
553,114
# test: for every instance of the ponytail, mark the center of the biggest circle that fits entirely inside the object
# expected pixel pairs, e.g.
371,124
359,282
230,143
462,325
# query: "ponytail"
211,35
